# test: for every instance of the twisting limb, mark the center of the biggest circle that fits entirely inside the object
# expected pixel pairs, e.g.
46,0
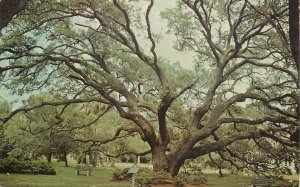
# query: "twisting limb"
57,103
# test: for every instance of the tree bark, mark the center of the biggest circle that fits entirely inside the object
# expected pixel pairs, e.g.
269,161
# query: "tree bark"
66,160
177,157
9,8
159,159
294,44
49,157
175,163
294,30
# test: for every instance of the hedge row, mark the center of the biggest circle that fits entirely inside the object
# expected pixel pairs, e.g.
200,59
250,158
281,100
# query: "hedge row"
11,165
146,177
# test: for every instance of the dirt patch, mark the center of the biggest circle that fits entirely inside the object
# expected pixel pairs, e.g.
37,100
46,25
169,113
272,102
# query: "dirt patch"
187,185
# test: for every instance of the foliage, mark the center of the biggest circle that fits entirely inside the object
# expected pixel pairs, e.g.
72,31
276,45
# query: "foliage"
148,177
121,174
192,173
5,146
11,165
39,132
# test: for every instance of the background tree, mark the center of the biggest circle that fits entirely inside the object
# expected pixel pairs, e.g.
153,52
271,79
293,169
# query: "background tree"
5,147
44,132
105,52
106,136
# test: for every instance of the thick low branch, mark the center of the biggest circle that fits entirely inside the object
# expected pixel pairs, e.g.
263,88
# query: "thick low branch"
278,119
18,66
281,140
90,123
222,143
130,131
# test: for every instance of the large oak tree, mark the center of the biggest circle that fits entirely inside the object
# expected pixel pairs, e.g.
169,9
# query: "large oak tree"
106,52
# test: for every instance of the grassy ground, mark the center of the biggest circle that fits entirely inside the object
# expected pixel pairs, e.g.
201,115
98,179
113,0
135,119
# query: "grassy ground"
101,177
236,180
228,181
65,177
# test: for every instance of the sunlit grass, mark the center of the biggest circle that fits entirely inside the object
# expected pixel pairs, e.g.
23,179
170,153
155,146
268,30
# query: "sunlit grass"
65,177
101,177
236,180
228,180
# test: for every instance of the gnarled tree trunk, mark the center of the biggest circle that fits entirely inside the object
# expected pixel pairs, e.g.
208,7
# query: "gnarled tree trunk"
66,160
49,157
177,157
159,159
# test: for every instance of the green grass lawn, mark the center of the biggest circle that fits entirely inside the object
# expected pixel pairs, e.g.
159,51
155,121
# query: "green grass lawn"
228,180
101,177
235,180
65,177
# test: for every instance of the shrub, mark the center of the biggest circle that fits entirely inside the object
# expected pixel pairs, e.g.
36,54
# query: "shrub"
144,159
12,165
121,174
147,177
123,159
197,179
